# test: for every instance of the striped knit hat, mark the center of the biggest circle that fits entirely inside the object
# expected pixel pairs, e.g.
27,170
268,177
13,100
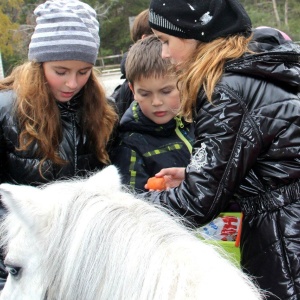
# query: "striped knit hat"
65,30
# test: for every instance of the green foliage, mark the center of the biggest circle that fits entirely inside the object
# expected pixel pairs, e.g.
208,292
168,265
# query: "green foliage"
114,16
115,29
9,11
262,14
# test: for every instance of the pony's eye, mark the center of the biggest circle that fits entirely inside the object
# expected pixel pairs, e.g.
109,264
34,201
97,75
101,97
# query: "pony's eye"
13,270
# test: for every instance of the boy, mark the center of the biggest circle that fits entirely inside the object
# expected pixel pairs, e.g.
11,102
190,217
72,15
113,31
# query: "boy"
151,135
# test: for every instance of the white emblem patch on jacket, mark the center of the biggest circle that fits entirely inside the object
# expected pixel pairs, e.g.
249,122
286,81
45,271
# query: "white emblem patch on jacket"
199,158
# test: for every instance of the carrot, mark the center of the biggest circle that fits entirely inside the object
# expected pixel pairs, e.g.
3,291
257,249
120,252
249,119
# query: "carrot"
156,183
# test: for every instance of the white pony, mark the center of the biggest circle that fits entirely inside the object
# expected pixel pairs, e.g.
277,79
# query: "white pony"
90,239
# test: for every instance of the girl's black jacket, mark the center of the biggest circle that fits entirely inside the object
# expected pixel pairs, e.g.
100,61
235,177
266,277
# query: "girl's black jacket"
22,167
248,147
144,147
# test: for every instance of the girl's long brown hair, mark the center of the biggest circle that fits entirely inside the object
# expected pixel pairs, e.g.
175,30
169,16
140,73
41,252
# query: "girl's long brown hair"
205,68
39,116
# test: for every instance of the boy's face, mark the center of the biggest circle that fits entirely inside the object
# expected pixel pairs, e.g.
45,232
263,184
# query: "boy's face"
158,97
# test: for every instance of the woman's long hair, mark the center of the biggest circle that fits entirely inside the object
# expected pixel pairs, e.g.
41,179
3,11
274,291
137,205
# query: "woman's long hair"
205,68
39,116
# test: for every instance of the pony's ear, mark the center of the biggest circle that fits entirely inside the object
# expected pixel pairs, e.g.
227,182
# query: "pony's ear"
108,179
24,201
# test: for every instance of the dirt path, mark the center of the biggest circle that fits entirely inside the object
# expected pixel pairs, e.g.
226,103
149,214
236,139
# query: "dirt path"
110,82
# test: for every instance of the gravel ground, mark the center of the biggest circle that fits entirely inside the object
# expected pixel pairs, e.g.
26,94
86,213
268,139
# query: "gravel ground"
110,82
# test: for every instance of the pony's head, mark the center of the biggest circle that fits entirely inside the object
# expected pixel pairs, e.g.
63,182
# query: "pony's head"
92,239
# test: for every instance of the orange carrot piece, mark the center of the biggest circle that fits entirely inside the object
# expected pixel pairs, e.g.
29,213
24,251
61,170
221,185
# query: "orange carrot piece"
156,183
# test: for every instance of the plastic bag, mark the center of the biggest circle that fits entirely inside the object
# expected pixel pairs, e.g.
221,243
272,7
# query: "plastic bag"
223,228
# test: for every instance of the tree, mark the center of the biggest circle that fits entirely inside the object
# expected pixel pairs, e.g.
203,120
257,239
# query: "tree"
276,13
281,14
115,30
10,40
17,23
9,16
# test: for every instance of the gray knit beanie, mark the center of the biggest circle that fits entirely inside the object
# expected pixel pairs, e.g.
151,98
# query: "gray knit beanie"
65,30
202,20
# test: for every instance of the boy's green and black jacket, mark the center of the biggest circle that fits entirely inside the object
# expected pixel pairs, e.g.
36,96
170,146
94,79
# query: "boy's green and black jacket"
144,147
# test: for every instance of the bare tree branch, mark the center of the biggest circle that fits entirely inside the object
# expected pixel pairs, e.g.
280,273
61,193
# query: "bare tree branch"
276,13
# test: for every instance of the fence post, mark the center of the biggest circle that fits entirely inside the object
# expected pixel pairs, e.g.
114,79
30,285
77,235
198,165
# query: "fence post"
112,67
1,67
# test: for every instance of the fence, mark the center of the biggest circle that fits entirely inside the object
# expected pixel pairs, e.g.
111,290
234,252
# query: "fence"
1,68
110,64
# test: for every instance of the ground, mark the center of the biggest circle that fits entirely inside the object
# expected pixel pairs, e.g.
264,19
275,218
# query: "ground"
110,82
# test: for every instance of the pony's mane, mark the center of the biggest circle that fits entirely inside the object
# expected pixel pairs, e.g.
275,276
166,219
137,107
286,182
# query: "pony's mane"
109,244
122,232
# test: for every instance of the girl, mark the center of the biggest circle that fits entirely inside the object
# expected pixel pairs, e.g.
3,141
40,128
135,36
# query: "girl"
241,88
55,121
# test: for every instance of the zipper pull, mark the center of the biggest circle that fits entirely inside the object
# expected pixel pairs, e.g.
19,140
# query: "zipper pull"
179,122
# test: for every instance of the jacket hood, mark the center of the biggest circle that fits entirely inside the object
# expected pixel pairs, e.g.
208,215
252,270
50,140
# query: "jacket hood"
275,59
134,120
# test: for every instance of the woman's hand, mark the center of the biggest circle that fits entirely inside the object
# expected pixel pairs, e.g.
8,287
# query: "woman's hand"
173,176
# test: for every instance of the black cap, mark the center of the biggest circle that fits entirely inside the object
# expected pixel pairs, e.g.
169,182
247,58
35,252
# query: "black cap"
203,20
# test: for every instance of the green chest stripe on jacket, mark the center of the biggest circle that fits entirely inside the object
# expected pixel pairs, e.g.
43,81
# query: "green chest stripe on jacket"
179,125
131,168
163,150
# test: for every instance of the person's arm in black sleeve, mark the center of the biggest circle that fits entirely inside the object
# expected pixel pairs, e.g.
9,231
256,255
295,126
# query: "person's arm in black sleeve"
227,145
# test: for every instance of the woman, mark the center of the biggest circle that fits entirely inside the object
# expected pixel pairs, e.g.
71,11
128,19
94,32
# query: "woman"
55,121
242,91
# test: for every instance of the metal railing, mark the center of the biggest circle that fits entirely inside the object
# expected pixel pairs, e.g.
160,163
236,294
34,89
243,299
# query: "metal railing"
110,64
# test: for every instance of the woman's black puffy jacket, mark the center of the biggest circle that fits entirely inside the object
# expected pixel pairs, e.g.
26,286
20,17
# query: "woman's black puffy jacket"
22,167
248,147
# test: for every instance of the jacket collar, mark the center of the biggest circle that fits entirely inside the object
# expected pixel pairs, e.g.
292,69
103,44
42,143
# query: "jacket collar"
72,105
134,120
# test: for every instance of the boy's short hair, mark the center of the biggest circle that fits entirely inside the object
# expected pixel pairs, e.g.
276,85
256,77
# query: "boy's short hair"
144,60
140,26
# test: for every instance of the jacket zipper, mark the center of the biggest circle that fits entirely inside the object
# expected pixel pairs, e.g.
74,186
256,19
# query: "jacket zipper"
74,137
179,125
